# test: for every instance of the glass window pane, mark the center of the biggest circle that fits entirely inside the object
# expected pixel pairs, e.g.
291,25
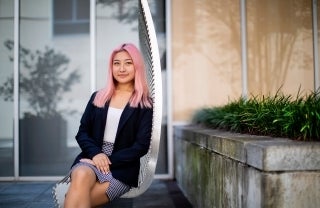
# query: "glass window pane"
54,89
62,9
71,17
6,88
82,9
72,28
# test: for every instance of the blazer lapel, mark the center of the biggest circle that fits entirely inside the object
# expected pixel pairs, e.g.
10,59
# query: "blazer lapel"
127,112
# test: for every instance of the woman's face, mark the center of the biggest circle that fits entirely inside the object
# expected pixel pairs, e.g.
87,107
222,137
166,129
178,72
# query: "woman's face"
123,68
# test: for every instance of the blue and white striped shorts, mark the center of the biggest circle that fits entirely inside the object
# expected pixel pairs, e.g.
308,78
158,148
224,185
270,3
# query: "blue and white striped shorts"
116,187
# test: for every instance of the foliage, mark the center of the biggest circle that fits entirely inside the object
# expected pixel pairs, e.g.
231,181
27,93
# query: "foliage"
279,116
43,79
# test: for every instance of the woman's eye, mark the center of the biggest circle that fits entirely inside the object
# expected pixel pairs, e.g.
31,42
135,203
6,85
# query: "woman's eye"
129,63
116,63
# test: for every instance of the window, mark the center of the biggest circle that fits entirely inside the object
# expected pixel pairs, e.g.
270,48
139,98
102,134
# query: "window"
71,17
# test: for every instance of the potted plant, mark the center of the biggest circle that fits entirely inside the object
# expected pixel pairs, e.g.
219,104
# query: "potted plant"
43,79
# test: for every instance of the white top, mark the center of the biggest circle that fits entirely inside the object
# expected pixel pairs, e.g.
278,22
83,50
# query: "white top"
112,123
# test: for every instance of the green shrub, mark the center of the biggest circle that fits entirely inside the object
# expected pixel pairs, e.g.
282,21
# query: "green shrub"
278,116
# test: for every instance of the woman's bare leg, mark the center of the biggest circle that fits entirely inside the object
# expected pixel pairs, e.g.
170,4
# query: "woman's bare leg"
83,180
98,194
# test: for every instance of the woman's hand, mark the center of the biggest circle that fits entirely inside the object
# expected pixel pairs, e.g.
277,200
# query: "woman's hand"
102,162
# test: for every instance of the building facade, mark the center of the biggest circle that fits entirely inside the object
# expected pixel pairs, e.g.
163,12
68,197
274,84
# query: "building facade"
212,51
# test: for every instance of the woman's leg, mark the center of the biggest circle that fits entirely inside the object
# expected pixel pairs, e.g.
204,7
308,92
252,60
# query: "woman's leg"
83,180
98,194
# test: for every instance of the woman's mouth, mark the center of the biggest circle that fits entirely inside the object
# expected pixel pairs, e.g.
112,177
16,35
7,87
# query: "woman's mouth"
122,75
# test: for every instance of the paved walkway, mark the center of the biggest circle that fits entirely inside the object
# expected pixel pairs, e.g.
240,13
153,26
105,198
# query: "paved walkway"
161,194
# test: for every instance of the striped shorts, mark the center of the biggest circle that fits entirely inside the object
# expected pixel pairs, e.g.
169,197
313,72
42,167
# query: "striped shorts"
116,187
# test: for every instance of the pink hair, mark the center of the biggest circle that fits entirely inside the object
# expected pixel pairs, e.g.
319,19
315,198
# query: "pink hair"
140,94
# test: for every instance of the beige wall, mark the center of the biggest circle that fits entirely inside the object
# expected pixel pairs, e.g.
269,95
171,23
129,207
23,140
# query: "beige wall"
280,50
206,54
318,73
206,51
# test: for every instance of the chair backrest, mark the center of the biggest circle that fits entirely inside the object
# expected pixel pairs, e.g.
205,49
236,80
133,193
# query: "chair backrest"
150,50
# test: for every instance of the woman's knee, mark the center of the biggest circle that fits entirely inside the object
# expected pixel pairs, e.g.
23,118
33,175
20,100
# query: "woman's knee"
82,173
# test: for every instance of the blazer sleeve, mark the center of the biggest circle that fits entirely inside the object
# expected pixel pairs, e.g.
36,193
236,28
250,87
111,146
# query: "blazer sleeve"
89,146
141,145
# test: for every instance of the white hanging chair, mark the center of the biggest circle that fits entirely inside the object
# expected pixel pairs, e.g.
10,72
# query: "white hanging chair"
150,50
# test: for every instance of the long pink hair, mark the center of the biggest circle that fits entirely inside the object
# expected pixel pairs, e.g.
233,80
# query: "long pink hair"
140,94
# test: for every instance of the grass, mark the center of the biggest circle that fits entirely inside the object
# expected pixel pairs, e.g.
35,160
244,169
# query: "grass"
280,115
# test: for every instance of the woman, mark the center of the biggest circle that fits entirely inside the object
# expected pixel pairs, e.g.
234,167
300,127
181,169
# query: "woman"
114,133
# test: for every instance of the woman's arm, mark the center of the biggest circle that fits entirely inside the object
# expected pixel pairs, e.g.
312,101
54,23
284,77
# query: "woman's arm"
88,145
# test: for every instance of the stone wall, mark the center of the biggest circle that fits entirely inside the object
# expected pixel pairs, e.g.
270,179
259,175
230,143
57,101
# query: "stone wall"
221,169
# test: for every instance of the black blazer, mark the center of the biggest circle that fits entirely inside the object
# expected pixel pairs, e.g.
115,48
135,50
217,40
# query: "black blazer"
132,139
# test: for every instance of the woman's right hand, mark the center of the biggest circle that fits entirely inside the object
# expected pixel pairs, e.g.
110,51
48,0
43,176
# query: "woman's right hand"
102,162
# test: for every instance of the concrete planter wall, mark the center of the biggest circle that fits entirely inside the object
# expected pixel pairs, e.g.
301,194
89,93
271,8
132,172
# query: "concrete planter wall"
222,169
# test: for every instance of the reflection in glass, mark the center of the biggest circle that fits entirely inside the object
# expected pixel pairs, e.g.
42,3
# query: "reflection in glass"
51,96
6,110
71,16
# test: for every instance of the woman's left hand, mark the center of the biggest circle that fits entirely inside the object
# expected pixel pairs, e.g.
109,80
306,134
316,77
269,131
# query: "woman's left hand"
102,162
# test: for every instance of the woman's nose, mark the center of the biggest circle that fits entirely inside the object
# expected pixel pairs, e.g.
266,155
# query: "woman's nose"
122,68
